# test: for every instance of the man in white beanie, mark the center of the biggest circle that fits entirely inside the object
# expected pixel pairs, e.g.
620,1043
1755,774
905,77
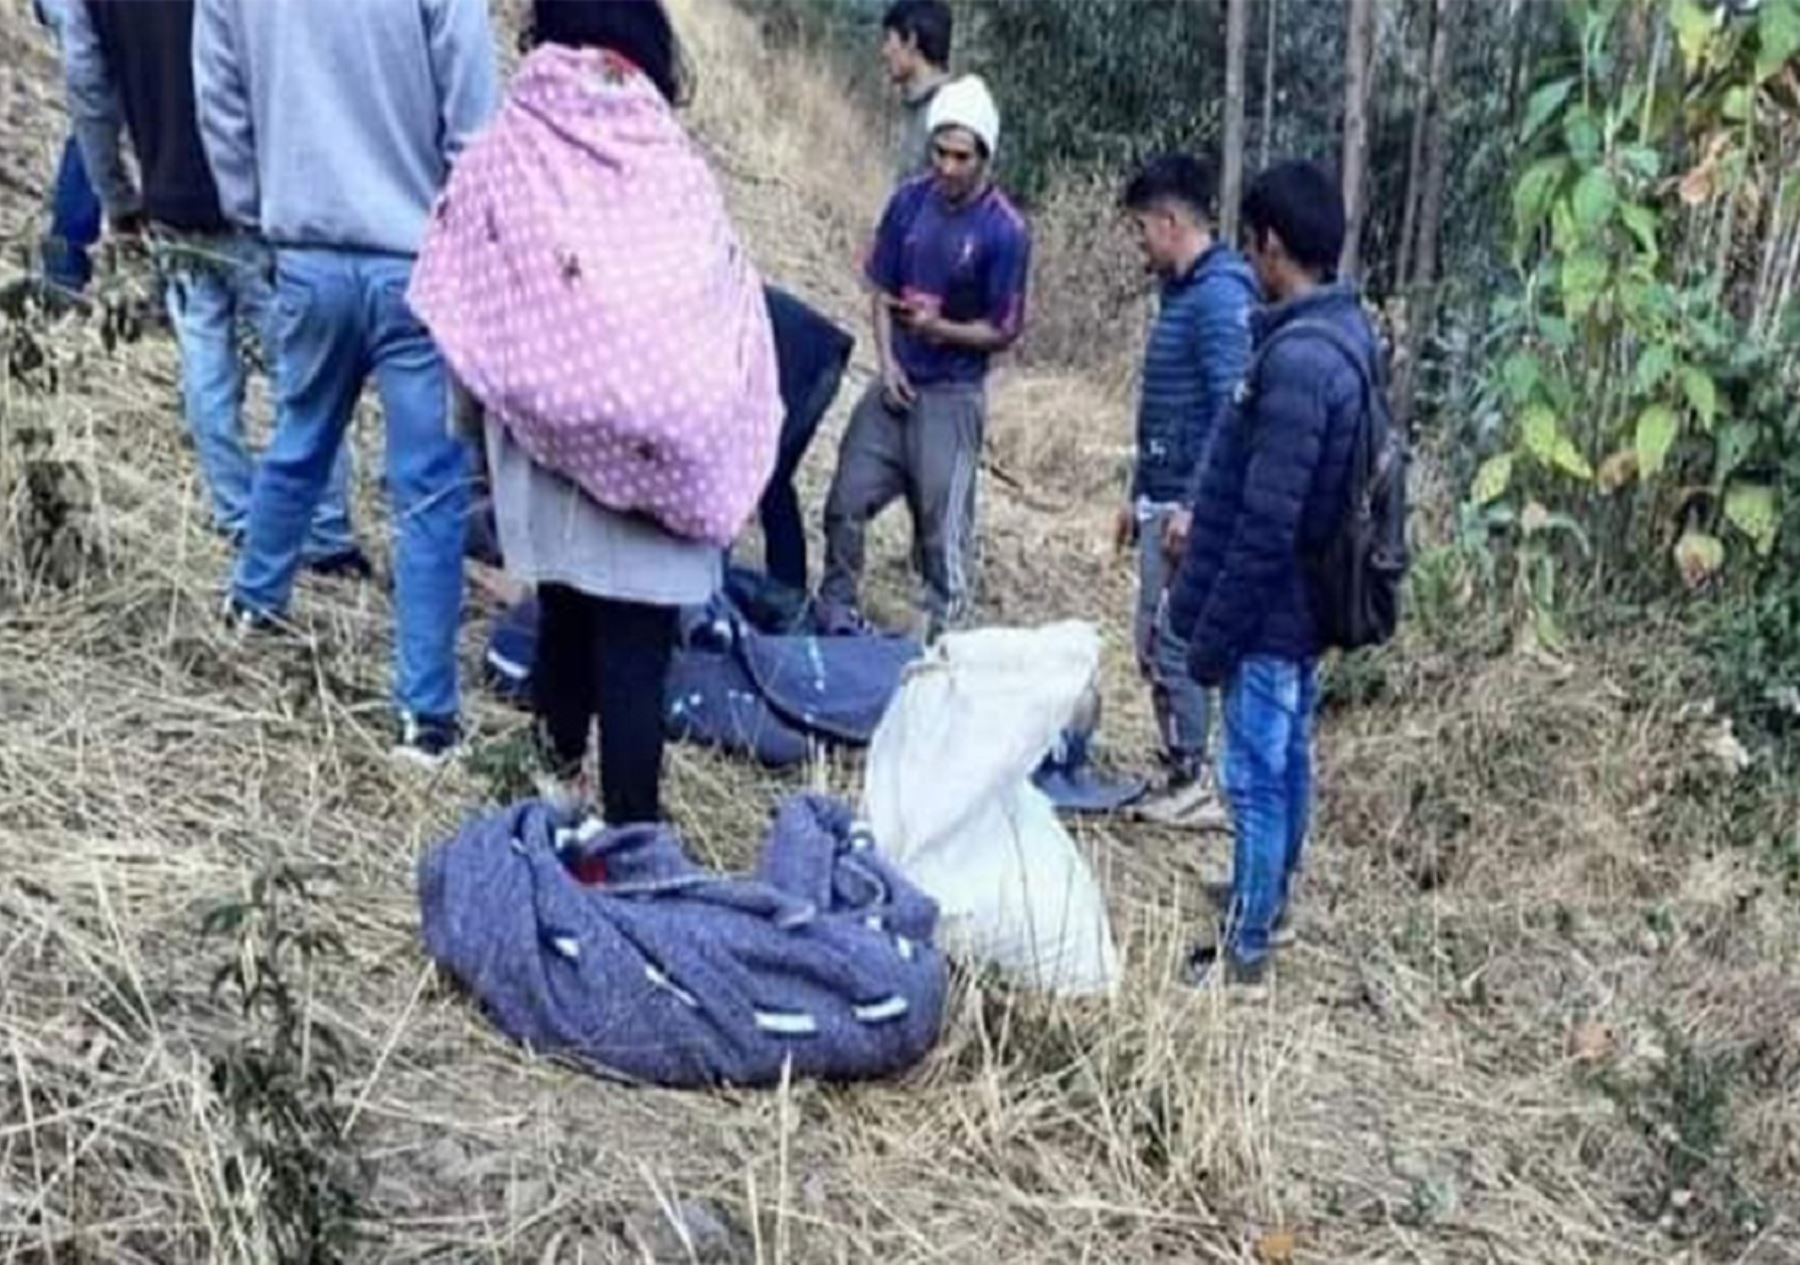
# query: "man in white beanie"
948,269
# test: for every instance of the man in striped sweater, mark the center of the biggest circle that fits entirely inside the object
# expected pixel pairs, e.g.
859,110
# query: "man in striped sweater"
1196,355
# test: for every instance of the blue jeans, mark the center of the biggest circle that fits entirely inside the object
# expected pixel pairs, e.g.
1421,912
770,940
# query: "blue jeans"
74,223
1182,706
1266,772
216,286
339,318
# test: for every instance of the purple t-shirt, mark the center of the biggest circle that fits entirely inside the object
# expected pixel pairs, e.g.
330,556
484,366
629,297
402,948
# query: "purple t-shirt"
968,263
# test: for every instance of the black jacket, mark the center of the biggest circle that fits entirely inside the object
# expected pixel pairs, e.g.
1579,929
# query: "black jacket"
149,52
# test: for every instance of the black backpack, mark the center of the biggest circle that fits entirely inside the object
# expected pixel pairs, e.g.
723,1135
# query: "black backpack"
1354,578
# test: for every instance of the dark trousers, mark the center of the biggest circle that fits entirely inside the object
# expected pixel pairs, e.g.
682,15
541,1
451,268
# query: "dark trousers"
610,659
784,533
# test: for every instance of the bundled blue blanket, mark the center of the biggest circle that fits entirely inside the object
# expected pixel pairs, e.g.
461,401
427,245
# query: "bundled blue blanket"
769,696
667,973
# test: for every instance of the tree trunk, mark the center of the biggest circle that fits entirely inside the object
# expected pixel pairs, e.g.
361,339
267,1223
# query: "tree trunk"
1518,22
1415,177
1231,181
1358,68
1421,306
1267,137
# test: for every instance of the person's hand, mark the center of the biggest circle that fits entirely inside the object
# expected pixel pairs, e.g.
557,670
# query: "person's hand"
919,320
1125,528
897,389
1175,531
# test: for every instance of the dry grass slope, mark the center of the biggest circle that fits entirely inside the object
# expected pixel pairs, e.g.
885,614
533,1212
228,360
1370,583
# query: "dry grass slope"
1543,1010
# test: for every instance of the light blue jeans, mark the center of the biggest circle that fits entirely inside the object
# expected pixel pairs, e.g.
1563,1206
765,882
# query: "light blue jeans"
1266,772
339,318
217,288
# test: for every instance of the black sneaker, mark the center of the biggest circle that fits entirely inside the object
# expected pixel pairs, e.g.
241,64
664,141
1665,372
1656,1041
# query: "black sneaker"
347,564
244,620
1209,963
430,742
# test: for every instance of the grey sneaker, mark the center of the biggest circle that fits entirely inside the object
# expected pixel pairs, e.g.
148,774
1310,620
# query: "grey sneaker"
1184,803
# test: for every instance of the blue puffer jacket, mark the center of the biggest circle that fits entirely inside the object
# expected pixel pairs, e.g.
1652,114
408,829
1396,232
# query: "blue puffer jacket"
1195,357
1272,487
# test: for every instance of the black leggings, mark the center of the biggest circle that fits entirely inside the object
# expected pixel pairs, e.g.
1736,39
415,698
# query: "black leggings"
606,658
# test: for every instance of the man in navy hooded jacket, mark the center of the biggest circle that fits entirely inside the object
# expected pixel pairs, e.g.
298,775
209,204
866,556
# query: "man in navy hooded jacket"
1272,490
1193,362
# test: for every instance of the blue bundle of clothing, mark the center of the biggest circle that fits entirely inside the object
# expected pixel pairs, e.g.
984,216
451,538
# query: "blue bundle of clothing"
770,696
656,970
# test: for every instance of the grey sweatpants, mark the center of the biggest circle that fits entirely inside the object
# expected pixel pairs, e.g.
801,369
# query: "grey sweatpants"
930,454
1181,704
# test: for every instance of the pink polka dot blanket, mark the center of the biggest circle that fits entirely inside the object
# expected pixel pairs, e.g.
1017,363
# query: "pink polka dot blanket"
585,284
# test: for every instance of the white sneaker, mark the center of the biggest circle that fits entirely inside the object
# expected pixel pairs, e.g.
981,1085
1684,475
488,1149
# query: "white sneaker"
1188,804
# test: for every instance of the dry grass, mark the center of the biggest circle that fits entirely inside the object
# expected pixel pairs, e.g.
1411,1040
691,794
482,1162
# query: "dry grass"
1531,952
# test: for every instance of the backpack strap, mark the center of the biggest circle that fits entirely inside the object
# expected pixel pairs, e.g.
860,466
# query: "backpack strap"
1368,373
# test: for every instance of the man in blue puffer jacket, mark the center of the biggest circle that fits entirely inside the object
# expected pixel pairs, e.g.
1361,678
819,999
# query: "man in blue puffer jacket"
1192,364
1272,490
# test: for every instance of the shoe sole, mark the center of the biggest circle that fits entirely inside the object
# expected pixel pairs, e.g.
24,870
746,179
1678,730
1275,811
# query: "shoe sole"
421,759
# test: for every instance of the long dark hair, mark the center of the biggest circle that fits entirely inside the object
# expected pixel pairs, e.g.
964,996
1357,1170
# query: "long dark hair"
637,30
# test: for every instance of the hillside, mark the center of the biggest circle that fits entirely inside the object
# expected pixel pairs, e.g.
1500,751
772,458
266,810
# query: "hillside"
1539,988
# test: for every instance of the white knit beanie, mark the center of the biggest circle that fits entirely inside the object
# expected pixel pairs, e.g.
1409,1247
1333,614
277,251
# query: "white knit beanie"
966,103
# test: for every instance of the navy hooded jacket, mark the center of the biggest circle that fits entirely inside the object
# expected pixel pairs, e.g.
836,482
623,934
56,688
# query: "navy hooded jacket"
1192,364
1271,489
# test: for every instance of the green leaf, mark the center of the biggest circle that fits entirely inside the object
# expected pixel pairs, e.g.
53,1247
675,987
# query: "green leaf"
1699,556
1656,364
1567,457
1750,507
1642,222
1702,395
1538,427
1646,160
1594,199
1656,430
1731,445
1557,332
1737,103
1492,480
1545,102
1583,136
1584,276
1777,37
1565,233
1533,193
1521,373
1695,25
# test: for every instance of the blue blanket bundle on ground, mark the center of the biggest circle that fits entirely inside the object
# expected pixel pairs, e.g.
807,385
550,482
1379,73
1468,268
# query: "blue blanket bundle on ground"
674,975
768,696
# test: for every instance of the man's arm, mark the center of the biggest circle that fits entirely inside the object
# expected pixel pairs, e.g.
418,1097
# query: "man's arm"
897,386
973,335
1287,437
882,272
1221,347
96,115
222,105
461,40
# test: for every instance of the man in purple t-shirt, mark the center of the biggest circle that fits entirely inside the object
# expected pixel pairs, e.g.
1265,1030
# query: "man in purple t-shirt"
948,271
